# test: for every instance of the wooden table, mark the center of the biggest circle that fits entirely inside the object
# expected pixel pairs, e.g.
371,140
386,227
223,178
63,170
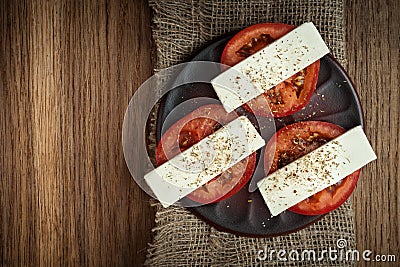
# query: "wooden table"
67,73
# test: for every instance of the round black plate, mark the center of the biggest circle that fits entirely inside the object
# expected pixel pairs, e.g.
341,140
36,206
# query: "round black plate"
335,100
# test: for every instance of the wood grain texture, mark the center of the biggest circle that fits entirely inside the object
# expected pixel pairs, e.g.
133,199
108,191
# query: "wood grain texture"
67,71
373,34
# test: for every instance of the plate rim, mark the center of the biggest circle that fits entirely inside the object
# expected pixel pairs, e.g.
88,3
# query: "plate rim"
193,209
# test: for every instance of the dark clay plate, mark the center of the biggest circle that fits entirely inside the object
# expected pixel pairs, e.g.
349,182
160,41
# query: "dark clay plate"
335,100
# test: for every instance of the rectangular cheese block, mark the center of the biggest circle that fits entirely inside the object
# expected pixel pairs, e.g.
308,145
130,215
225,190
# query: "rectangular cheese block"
269,66
203,161
317,170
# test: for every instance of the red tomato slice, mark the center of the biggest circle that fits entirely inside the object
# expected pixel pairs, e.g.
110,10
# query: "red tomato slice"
296,140
190,130
287,97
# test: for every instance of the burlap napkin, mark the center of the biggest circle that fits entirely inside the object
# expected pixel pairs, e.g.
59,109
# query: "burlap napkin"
180,239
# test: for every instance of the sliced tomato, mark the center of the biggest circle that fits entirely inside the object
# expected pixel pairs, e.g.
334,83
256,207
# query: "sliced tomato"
191,129
287,97
296,140
252,39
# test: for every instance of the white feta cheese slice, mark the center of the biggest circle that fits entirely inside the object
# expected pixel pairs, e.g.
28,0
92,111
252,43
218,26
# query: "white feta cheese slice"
269,66
317,170
203,161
